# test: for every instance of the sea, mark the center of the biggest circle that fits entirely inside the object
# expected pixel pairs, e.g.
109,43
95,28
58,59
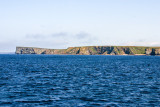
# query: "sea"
79,81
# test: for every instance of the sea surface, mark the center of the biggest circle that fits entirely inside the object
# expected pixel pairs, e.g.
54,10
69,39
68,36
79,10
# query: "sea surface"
79,81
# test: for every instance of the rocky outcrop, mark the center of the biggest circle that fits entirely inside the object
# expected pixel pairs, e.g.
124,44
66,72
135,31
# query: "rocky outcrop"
157,51
93,50
32,50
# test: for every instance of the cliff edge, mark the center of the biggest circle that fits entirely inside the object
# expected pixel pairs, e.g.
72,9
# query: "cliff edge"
92,50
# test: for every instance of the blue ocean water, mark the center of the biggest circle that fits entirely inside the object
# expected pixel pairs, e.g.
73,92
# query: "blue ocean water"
79,81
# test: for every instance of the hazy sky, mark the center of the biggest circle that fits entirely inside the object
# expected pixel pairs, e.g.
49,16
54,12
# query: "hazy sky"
66,23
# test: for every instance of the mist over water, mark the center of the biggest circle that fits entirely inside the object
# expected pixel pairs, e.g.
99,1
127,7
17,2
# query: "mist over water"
77,81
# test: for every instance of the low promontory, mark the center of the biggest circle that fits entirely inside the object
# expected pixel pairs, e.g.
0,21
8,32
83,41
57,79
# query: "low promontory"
92,50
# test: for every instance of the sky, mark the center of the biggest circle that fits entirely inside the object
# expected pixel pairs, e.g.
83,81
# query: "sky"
59,24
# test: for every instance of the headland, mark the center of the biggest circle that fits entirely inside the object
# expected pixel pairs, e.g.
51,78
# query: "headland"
92,50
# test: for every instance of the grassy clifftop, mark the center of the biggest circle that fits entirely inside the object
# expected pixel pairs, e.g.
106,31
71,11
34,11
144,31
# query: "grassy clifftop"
93,50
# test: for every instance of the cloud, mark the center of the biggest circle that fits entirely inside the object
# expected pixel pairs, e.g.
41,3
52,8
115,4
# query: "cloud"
82,35
60,40
60,34
46,36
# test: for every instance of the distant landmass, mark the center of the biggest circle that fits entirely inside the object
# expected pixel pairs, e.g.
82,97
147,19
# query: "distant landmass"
7,52
92,50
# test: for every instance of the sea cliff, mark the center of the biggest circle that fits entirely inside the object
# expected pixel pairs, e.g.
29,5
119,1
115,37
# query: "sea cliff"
92,50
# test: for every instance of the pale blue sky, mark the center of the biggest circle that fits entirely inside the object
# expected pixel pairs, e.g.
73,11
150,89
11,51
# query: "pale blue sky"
66,23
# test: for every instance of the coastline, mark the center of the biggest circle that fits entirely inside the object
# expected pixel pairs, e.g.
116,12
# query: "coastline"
92,50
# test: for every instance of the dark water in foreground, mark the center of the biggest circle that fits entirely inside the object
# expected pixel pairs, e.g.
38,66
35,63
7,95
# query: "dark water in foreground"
77,81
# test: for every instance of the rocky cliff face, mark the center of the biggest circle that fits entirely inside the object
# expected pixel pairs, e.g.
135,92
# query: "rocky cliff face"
93,50
32,50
